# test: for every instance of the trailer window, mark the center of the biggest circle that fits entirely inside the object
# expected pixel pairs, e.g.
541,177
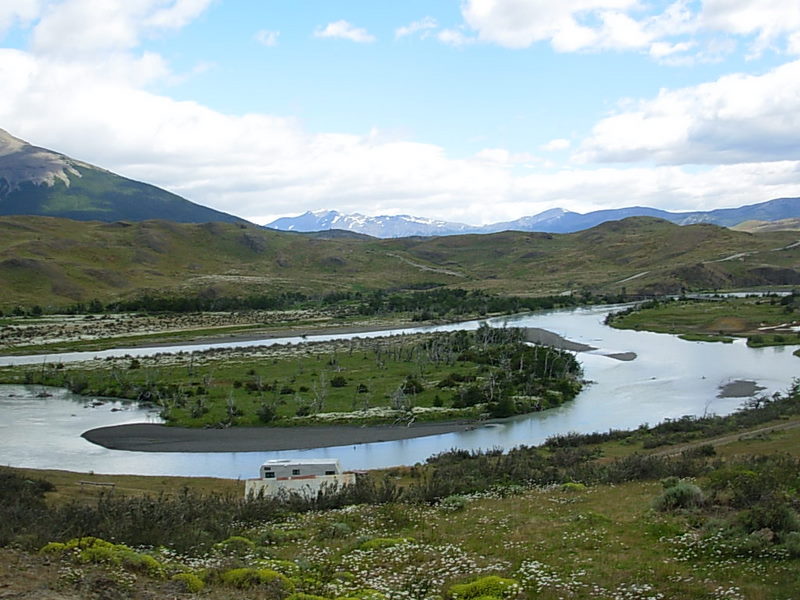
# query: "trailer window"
295,471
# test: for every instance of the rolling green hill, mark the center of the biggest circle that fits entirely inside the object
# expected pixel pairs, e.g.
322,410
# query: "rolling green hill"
53,262
36,181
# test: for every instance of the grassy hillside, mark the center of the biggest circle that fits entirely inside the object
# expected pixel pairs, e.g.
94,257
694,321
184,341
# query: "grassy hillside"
764,226
54,262
635,255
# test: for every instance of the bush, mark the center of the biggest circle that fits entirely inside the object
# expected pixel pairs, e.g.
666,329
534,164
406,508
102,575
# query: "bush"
338,381
236,545
454,503
773,514
247,578
266,414
491,586
680,495
189,582
791,542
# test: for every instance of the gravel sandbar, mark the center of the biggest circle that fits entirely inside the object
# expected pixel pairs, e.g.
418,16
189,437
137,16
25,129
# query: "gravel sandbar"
149,437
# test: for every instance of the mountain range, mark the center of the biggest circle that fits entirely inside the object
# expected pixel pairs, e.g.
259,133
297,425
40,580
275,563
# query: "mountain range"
37,181
556,220
41,182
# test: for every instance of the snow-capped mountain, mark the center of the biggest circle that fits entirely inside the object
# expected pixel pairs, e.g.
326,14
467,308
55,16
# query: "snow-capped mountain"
556,220
382,226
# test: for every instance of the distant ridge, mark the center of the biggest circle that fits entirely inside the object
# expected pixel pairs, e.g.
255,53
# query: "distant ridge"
37,181
556,220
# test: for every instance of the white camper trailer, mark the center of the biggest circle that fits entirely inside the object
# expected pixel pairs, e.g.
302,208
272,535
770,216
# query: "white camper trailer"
289,468
305,476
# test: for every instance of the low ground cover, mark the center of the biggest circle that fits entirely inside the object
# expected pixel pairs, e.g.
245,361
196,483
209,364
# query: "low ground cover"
542,523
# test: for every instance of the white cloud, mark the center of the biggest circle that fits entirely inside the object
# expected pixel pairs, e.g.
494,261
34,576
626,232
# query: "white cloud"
76,27
660,50
454,37
345,31
18,11
268,38
424,25
556,145
260,166
520,23
590,25
793,46
768,20
175,14
738,118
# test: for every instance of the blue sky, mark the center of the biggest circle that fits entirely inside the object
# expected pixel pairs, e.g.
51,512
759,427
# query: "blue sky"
473,111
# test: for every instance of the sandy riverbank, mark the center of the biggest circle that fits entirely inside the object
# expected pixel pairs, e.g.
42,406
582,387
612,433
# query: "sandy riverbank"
148,437
739,389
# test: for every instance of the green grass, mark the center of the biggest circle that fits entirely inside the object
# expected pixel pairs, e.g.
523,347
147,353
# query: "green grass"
716,319
305,384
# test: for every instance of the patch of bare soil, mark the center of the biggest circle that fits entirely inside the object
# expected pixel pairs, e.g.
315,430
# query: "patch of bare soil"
729,325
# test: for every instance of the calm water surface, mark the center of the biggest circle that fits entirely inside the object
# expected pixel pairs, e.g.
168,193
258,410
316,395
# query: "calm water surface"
669,378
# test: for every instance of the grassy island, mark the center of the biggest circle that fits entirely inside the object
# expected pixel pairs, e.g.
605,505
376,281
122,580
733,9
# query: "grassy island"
764,321
397,379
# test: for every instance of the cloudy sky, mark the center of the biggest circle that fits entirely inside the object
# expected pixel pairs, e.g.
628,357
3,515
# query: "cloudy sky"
465,110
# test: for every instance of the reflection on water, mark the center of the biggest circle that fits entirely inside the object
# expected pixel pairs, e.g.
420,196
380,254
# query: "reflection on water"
669,379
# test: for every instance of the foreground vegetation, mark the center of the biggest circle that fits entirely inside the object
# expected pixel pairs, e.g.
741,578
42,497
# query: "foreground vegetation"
764,321
591,517
489,372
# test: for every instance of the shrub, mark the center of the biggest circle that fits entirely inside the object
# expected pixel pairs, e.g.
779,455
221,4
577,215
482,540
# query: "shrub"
236,545
453,503
491,586
412,386
266,414
339,529
680,495
53,548
248,577
791,542
571,486
773,514
189,582
338,381
143,563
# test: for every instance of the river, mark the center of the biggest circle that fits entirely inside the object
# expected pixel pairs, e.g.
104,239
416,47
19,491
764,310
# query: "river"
669,378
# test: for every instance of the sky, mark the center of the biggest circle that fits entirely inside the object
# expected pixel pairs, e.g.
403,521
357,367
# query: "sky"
473,111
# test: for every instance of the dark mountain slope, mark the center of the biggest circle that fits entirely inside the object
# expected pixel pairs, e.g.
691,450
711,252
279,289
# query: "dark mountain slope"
37,181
